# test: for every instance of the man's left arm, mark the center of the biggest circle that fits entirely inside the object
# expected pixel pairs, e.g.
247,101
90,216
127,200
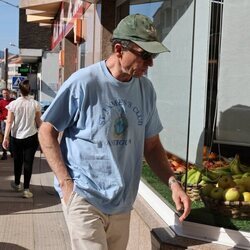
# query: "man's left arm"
156,158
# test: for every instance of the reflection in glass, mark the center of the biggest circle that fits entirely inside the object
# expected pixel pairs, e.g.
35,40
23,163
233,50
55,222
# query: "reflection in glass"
171,71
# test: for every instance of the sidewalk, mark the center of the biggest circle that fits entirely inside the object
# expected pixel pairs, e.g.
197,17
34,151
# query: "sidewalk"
38,223
31,224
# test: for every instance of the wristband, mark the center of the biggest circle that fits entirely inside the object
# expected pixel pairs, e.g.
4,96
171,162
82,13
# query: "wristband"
65,181
68,179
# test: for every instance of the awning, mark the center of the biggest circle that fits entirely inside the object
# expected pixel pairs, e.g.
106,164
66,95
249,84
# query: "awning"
41,11
30,55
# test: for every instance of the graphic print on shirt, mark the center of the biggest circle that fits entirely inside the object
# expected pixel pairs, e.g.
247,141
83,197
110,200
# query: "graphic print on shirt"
114,114
120,124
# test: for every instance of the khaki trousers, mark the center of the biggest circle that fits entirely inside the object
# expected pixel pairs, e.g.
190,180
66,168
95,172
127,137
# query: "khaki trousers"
90,229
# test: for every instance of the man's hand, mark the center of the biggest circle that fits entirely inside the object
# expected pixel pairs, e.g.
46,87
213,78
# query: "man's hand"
6,143
181,200
67,186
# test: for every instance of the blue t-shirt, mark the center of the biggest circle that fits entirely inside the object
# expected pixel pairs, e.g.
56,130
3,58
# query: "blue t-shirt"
105,123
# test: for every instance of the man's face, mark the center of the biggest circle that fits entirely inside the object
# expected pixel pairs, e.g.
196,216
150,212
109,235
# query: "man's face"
133,64
6,94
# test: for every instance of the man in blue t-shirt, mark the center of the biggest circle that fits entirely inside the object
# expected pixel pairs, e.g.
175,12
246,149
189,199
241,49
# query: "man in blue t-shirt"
109,122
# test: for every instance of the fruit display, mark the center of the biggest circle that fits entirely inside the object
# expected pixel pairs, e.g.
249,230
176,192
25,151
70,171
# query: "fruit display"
176,164
227,189
234,174
219,178
192,178
211,160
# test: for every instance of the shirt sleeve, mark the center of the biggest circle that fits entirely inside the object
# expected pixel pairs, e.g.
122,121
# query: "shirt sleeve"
153,125
64,109
10,107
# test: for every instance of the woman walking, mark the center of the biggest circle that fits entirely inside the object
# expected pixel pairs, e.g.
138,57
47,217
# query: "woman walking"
23,121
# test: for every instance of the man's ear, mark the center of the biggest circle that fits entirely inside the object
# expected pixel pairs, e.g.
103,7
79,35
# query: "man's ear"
118,49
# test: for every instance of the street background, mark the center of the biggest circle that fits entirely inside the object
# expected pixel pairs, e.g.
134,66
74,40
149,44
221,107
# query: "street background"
34,224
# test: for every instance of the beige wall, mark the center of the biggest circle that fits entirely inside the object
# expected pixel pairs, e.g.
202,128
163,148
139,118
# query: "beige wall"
88,34
98,26
92,30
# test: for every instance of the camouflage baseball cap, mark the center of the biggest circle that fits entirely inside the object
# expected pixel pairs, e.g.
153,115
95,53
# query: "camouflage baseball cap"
140,30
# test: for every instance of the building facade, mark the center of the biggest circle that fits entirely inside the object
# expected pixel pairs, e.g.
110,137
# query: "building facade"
202,84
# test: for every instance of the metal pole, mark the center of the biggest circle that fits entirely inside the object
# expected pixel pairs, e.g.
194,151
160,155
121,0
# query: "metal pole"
6,55
190,97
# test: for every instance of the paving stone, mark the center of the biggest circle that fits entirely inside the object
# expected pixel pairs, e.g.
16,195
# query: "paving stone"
31,224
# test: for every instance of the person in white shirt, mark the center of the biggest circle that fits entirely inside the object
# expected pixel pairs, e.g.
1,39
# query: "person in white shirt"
23,121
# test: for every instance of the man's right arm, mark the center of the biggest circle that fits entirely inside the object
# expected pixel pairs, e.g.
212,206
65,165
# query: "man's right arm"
48,138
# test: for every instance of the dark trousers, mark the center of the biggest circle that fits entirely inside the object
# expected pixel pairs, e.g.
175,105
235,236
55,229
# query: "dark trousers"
23,152
4,151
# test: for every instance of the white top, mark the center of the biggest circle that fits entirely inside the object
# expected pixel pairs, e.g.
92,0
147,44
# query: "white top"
24,109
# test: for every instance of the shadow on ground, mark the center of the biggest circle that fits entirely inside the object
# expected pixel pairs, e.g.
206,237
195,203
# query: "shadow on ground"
44,197
10,246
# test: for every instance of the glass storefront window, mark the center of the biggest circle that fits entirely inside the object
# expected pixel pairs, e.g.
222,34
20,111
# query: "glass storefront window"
171,72
203,77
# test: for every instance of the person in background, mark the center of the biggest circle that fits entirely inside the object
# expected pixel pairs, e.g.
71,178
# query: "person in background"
109,121
3,115
14,94
23,121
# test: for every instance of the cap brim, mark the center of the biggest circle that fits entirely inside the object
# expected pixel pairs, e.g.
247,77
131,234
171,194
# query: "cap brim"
152,47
